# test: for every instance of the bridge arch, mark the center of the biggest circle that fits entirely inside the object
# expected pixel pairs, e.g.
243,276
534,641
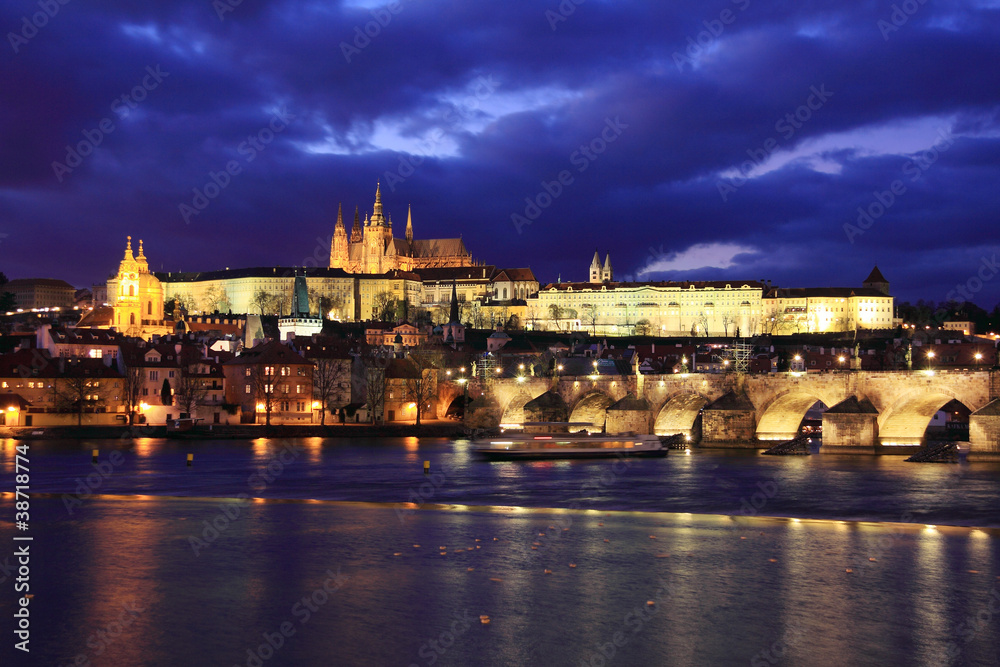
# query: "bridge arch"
592,407
906,420
679,414
513,412
781,418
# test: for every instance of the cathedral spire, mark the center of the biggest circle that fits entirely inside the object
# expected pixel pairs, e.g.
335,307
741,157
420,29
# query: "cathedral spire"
453,319
356,229
409,224
377,214
340,217
128,249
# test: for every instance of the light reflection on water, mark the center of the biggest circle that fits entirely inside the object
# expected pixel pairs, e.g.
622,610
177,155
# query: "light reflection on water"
737,585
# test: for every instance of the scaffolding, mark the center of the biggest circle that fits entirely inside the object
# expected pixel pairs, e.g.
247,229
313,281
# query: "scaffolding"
741,353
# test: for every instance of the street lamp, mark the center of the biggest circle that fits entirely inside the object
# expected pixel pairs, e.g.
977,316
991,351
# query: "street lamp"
979,359
841,359
930,358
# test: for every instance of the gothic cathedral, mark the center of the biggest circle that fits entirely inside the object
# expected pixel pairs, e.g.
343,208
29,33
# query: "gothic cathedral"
372,249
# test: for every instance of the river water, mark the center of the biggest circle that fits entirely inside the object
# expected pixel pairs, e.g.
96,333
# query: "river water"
343,552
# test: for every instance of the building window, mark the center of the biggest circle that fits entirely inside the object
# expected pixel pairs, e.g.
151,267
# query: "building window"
154,376
284,371
248,389
170,373
268,370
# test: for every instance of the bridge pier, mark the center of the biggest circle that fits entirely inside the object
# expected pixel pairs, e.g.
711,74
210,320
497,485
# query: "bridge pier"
984,433
629,415
730,422
851,427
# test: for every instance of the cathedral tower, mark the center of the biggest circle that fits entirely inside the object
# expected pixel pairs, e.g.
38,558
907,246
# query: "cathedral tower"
339,253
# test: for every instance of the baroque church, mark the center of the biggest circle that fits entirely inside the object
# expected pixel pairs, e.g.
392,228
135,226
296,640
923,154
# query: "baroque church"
371,248
136,297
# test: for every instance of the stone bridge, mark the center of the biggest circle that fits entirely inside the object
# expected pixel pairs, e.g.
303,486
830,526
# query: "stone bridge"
868,411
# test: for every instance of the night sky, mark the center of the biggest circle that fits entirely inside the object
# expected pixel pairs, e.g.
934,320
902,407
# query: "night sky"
733,139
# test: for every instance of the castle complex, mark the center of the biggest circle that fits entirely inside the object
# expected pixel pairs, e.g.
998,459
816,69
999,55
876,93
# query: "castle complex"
373,249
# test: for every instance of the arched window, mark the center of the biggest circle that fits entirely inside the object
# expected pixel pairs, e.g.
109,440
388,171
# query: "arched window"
131,318
131,290
149,307
505,293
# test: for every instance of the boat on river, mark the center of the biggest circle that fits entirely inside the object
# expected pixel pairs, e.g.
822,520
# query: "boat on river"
508,446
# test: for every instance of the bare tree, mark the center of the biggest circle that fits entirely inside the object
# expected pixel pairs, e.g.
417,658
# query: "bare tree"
191,391
590,313
555,313
475,314
703,322
263,301
374,364
330,377
421,387
132,382
215,299
263,389
77,393
727,319
383,307
642,327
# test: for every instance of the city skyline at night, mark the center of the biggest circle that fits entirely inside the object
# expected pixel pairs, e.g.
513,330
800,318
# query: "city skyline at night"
743,141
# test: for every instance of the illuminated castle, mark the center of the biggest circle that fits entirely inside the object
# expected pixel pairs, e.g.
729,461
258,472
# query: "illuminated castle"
371,248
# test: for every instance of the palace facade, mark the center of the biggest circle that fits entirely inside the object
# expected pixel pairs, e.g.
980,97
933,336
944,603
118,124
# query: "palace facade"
708,308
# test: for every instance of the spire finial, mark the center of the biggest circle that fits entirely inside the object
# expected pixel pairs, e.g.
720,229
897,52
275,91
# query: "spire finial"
128,243
409,223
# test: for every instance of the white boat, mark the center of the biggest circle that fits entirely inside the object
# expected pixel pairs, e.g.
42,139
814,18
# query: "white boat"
567,446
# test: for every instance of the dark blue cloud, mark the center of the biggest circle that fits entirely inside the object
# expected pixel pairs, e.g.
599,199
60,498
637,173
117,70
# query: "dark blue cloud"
464,110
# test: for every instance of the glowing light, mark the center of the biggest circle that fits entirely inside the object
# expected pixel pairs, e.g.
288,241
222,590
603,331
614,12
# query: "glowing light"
316,405
520,378
144,406
11,409
412,406
261,407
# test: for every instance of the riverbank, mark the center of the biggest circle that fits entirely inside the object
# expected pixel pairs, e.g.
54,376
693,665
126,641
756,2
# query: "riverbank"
435,429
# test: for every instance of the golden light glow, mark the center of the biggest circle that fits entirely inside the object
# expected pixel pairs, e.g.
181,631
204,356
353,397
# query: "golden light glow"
261,407
316,405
